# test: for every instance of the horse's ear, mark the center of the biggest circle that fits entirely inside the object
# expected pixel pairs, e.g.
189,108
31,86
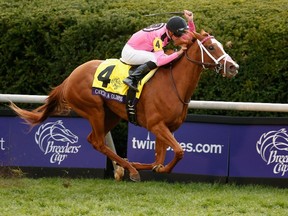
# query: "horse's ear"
203,32
201,35
196,35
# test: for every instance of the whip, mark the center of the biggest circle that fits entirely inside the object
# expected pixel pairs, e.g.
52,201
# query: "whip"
158,14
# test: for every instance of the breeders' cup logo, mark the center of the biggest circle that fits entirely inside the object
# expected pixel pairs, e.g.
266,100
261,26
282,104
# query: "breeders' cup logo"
273,148
57,141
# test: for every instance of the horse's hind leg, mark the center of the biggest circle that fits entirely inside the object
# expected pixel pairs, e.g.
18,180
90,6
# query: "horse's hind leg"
97,139
111,120
96,116
118,171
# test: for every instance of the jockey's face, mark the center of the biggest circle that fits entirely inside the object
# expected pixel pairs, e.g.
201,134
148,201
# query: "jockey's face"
175,39
179,41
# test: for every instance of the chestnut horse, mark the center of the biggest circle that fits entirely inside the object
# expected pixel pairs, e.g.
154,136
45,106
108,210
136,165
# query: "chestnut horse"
161,109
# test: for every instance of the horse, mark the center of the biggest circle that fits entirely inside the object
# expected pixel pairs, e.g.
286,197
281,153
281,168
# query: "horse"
161,109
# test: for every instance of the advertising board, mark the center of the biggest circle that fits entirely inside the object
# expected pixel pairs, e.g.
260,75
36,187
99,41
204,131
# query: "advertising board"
206,148
57,142
220,149
244,150
259,151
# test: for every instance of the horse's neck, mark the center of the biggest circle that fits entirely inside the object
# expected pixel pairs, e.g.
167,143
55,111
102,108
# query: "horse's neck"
186,76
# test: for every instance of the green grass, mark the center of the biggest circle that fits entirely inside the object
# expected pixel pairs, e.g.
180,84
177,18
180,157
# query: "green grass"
59,196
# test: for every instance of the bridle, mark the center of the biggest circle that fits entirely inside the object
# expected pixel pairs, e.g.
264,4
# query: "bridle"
206,65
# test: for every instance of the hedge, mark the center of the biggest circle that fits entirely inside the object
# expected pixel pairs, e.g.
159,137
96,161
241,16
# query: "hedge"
42,41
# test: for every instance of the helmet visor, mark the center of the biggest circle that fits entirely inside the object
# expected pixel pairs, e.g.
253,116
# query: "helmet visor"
179,32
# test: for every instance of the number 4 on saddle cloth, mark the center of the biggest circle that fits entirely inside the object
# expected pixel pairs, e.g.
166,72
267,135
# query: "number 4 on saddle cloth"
108,82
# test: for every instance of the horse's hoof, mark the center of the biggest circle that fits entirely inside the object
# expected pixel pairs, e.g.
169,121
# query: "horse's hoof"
135,177
119,173
157,168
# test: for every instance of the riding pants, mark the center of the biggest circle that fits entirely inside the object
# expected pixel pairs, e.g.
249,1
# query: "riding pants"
132,56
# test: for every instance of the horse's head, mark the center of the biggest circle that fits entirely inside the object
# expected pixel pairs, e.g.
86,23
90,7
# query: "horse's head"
212,55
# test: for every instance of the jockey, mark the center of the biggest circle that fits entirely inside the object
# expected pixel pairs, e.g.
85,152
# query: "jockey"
145,47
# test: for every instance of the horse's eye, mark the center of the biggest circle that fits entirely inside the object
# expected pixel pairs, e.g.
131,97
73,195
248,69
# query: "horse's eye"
211,47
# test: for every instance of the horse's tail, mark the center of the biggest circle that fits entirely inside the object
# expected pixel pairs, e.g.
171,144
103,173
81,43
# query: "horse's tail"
55,104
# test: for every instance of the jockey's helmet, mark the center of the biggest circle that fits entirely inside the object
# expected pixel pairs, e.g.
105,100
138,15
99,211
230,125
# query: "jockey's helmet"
177,25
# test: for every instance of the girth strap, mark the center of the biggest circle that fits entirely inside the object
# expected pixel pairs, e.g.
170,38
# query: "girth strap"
131,106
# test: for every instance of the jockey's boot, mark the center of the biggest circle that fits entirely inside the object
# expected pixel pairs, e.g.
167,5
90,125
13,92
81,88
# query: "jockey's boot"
133,78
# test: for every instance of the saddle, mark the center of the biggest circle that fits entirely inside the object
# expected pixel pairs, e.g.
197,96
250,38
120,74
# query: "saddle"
108,83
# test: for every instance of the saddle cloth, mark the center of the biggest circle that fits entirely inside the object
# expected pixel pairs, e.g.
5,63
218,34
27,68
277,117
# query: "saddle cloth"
108,80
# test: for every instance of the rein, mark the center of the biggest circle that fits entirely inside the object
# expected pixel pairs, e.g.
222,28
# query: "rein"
175,87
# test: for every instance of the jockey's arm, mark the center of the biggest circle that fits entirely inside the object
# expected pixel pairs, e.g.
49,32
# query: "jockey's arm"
189,16
163,58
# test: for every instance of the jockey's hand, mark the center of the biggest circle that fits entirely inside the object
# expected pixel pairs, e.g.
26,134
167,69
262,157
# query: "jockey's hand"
182,50
183,47
188,15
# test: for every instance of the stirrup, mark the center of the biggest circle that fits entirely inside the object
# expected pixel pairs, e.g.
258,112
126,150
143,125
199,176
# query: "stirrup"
129,83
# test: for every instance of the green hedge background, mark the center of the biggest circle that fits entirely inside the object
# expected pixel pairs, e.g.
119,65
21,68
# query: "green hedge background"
42,41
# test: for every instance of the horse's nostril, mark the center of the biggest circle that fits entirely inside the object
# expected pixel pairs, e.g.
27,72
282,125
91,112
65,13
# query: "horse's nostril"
234,67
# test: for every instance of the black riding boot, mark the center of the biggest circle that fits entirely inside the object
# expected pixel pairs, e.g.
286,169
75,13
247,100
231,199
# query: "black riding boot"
133,79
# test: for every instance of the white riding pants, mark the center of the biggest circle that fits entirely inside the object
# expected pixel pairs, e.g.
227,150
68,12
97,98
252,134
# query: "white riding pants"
132,56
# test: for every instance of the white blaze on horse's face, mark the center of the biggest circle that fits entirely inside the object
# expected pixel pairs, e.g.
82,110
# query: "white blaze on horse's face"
230,67
225,65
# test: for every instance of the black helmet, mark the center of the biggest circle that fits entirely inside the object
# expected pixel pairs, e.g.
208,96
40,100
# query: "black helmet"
177,25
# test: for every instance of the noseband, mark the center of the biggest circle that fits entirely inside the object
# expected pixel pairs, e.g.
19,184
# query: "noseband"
216,65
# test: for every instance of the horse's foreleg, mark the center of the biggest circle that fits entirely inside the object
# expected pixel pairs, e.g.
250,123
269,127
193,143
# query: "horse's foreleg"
165,136
160,153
